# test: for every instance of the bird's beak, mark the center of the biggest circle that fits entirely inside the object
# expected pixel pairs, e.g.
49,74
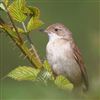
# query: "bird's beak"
43,30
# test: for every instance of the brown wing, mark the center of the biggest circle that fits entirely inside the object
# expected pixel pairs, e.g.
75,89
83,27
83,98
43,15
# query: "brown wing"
78,58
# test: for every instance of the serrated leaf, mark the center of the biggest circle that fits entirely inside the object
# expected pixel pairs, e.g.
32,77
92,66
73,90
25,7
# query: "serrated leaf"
24,73
46,73
34,11
27,11
34,23
43,76
47,66
16,10
6,2
63,83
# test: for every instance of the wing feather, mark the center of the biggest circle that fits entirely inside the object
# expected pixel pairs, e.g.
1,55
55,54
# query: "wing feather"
78,57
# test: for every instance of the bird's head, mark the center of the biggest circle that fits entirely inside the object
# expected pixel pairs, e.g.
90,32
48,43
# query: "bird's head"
57,30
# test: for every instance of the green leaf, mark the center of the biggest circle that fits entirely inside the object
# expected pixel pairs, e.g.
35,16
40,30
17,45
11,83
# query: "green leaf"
24,73
63,83
47,66
16,10
34,23
46,73
43,76
6,2
34,11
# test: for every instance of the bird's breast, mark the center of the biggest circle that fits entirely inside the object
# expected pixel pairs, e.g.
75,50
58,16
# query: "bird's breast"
59,54
60,57
59,49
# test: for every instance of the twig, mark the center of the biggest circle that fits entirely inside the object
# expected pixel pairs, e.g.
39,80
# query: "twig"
12,22
28,37
31,56
31,43
26,53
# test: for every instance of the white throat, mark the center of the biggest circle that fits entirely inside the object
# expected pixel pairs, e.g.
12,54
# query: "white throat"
53,36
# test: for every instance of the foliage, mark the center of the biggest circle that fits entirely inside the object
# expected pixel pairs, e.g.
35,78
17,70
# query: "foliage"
34,23
24,73
29,17
63,83
28,73
16,10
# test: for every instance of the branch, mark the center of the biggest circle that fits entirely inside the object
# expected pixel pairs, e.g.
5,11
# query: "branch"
31,43
20,38
31,56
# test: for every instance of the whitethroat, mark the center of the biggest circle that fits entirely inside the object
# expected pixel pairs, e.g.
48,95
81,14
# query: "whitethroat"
64,56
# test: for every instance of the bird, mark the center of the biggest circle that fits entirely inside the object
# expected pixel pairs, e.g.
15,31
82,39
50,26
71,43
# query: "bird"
64,56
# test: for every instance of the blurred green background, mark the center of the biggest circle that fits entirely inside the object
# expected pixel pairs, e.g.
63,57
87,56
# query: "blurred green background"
83,19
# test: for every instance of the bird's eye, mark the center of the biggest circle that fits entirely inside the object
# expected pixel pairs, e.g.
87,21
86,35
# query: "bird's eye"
56,29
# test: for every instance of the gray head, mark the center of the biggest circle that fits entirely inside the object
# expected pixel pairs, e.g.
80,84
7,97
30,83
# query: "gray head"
58,29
